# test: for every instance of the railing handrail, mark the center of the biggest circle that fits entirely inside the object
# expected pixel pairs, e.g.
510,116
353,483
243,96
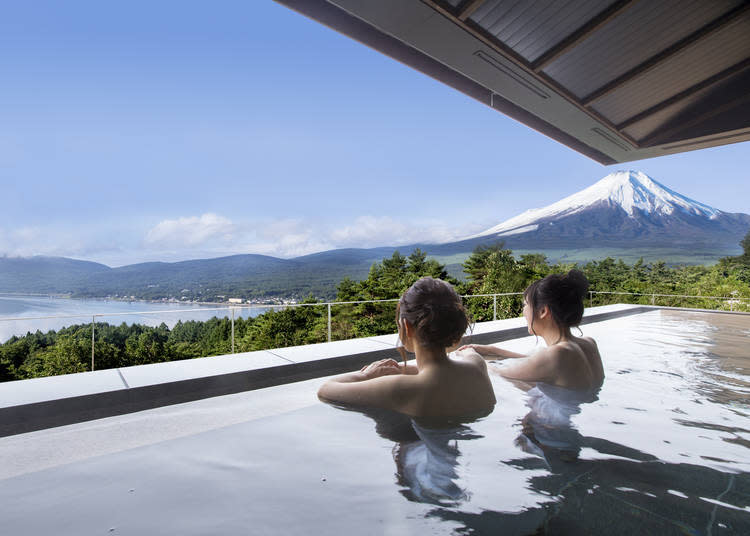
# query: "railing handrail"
669,295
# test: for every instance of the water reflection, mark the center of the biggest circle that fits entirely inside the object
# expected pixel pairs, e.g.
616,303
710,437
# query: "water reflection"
427,454
427,467
548,430
620,496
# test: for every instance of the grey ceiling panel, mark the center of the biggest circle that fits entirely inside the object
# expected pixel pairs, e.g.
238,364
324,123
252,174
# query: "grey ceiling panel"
652,123
531,28
688,67
720,107
631,38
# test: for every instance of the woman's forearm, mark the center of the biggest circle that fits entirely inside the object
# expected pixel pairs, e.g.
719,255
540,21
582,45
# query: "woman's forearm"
329,391
349,377
384,367
491,352
507,353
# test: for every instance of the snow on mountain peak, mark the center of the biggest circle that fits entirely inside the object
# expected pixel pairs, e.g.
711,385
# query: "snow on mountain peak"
635,189
629,190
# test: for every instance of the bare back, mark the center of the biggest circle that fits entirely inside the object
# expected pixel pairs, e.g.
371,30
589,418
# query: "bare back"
573,363
445,387
591,353
577,363
456,387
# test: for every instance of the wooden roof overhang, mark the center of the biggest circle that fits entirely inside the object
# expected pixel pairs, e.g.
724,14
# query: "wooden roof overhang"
617,80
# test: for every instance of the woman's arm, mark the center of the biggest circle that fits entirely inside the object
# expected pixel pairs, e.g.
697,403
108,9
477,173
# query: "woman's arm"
539,367
409,369
491,352
380,384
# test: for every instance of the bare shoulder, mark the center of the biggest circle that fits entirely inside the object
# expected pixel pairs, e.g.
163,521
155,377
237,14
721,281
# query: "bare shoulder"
588,346
398,383
549,359
589,340
563,354
471,357
557,351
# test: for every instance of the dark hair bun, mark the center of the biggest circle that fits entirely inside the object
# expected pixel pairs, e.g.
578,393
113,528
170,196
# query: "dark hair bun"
562,293
577,281
436,312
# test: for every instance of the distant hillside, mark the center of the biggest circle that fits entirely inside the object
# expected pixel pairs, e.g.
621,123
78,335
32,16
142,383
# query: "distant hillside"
47,274
625,215
198,278
238,275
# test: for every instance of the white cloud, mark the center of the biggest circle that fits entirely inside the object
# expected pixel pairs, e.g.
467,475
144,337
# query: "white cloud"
285,238
371,231
213,235
55,240
191,232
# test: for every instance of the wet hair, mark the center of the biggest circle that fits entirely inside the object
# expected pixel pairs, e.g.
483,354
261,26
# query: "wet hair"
562,293
435,311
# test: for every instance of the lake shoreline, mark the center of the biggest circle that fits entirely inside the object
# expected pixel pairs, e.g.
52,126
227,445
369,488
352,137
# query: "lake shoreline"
25,313
139,300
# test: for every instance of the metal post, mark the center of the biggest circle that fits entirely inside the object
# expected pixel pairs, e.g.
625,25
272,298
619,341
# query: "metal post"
591,299
653,299
494,307
329,322
93,327
232,329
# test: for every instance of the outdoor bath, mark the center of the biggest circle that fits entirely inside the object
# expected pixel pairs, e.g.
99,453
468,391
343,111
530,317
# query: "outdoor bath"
664,448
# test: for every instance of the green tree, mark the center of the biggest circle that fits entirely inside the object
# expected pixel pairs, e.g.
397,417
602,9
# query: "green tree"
292,326
147,347
67,356
494,270
15,352
6,371
476,265
745,243
387,280
738,266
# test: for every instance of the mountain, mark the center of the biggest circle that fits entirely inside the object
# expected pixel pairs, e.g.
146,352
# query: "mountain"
46,274
201,279
633,199
627,215
625,210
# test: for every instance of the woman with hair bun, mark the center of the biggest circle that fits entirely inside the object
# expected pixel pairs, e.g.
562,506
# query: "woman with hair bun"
431,321
552,306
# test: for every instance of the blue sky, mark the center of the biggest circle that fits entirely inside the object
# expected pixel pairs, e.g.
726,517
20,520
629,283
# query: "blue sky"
171,130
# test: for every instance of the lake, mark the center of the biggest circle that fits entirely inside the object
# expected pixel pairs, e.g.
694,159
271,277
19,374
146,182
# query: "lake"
23,311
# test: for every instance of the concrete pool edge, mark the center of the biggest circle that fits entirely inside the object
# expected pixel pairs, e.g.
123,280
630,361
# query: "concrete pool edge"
84,397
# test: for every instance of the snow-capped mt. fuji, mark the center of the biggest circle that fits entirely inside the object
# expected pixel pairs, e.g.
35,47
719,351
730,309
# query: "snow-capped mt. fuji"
633,192
625,208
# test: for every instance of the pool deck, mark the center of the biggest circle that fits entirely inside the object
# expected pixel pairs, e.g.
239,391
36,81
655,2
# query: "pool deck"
40,403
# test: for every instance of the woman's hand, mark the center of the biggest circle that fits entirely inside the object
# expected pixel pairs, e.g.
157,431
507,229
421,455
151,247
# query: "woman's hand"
380,384
384,367
492,352
483,349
